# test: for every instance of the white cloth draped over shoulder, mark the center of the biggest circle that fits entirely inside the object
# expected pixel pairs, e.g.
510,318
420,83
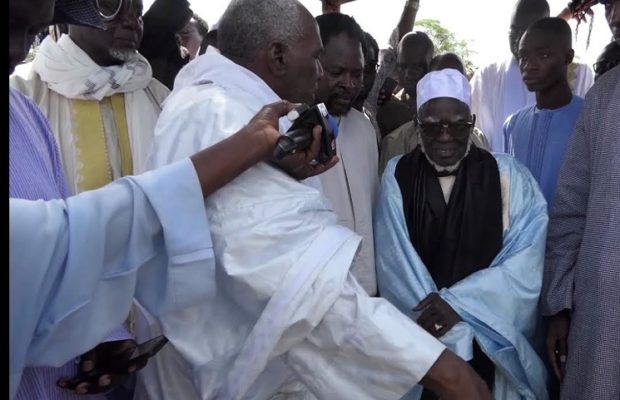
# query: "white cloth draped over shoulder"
498,304
498,91
76,265
62,72
287,307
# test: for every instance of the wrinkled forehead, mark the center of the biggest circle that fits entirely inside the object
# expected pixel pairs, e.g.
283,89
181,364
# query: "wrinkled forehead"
444,109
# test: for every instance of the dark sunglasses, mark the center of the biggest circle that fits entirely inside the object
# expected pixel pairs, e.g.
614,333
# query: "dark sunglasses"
456,129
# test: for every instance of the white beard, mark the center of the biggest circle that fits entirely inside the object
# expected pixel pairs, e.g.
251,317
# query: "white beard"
448,168
123,55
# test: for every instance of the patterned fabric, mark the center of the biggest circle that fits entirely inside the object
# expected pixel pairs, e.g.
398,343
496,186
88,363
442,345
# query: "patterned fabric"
77,12
35,170
582,266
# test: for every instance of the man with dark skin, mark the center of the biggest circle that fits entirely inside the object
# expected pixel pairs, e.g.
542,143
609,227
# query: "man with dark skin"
447,60
371,60
386,71
415,52
214,167
498,90
538,135
351,185
286,65
192,36
609,58
160,46
91,85
406,136
434,201
559,286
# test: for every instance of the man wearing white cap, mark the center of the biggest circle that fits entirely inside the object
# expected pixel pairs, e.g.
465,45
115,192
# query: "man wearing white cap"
459,234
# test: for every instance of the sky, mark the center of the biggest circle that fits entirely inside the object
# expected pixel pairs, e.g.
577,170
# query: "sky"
483,23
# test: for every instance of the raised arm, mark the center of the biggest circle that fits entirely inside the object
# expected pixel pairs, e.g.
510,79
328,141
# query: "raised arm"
75,265
407,18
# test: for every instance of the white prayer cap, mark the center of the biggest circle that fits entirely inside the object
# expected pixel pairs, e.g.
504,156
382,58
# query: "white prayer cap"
447,82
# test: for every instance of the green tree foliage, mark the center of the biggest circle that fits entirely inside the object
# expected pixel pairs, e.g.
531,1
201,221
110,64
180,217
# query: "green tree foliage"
446,42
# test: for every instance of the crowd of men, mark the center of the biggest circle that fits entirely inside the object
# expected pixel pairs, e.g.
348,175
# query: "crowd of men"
462,243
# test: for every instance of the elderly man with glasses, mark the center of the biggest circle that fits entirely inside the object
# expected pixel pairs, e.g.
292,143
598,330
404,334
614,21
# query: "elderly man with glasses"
460,236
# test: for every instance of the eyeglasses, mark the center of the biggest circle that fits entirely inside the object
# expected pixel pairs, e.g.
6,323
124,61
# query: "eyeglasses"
604,66
109,9
455,129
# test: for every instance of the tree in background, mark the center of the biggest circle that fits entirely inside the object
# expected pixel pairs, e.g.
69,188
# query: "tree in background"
446,42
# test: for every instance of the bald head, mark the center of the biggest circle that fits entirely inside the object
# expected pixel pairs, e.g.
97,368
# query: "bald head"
415,52
447,60
524,14
285,56
249,26
416,41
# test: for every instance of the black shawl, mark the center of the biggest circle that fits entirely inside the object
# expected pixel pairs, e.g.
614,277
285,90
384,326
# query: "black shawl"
464,236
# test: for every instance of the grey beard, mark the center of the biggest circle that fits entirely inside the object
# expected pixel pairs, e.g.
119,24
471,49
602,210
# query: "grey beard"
123,55
448,168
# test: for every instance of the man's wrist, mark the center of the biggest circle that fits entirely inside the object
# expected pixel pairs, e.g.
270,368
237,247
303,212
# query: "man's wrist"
413,4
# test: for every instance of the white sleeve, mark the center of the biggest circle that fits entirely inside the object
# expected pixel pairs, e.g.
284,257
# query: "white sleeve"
75,265
364,347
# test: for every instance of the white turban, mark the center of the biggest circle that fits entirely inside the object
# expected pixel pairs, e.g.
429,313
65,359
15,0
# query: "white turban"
443,83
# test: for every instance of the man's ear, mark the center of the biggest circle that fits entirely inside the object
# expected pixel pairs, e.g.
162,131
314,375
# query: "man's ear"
570,55
277,58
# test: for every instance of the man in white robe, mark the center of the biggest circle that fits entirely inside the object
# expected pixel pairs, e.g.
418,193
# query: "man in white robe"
100,98
73,282
287,308
351,185
498,90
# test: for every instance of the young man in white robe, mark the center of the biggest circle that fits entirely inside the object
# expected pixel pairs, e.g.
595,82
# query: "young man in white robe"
286,308
498,90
